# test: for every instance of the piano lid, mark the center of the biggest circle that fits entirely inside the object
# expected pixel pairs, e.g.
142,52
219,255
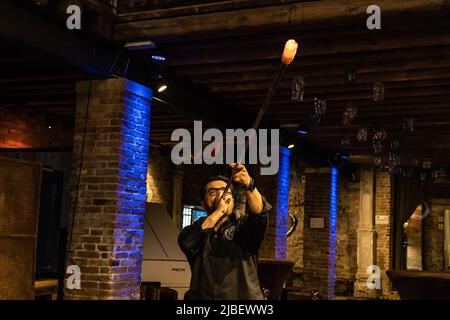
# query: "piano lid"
160,235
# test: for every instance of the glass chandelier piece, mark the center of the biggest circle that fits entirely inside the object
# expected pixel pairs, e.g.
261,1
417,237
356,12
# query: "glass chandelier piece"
377,160
346,141
350,114
320,106
378,137
395,144
298,89
408,124
378,91
350,75
362,135
426,164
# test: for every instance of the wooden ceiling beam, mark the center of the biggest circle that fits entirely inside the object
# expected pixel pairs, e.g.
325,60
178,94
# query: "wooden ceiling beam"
396,24
396,76
355,59
355,96
102,8
412,85
269,17
363,70
314,47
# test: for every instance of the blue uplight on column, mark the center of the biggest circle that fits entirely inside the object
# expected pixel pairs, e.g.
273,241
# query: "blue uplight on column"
332,236
282,204
132,176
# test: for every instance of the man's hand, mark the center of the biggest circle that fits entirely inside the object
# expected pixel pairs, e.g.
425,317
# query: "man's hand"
223,205
240,175
221,211
254,198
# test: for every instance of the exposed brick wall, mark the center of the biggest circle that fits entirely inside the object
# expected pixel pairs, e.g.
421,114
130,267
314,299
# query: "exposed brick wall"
383,207
159,178
348,221
109,216
414,236
433,228
297,209
267,186
433,236
316,241
311,245
27,128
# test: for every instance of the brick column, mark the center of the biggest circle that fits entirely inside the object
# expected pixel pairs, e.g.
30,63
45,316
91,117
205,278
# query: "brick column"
319,242
109,208
384,224
367,236
282,204
316,245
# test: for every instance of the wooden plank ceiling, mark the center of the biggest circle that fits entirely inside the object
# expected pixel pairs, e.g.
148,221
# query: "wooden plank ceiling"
410,55
231,50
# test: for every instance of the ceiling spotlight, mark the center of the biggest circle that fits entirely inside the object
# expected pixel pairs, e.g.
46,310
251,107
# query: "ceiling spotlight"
343,154
50,122
158,57
291,146
162,88
303,129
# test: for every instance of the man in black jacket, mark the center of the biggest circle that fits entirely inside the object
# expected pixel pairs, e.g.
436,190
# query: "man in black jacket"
222,248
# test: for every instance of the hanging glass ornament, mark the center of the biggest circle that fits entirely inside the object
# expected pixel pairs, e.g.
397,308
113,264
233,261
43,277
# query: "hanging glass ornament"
346,141
350,113
314,119
377,160
395,144
394,159
426,164
320,106
298,88
377,146
350,75
362,135
408,124
378,137
378,91
380,134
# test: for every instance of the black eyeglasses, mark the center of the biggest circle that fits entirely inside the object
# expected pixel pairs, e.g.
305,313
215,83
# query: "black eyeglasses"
215,191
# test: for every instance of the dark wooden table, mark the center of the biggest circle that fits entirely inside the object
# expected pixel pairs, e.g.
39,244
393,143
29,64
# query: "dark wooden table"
272,274
421,285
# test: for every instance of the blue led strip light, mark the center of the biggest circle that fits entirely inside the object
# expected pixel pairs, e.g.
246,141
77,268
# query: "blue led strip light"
332,237
282,204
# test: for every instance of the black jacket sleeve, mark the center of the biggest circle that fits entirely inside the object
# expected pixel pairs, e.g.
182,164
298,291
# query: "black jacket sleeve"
191,238
252,228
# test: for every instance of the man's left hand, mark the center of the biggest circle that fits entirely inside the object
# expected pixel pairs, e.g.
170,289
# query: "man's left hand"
240,175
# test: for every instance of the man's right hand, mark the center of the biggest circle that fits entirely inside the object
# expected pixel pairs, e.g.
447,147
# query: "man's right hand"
221,211
223,205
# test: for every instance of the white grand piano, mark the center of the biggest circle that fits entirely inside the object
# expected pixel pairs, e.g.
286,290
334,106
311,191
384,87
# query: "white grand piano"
163,261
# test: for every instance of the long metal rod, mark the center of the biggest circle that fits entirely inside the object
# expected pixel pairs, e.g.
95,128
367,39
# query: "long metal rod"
256,123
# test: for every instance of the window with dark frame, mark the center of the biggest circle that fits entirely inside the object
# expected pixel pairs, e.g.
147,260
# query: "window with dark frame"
191,214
